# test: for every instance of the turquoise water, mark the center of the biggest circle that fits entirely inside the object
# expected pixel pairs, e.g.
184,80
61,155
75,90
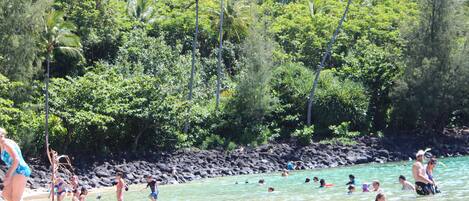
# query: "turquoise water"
453,180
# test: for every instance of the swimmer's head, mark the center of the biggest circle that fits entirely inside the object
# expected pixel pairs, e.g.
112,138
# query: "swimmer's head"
307,180
322,182
261,182
375,184
402,179
315,179
271,189
365,187
380,197
351,177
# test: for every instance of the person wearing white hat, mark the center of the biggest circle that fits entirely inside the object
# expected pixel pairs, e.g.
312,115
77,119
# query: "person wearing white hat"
423,185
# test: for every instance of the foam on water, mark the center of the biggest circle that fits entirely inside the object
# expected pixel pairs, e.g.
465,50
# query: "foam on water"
453,181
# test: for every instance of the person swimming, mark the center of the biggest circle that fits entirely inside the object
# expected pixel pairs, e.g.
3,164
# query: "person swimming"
270,189
406,185
285,173
365,187
376,186
307,180
261,182
323,184
380,197
315,179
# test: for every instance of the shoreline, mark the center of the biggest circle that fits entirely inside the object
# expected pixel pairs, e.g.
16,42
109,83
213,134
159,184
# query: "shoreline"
194,164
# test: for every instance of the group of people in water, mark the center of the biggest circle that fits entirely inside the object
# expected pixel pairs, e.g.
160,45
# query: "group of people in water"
423,175
15,179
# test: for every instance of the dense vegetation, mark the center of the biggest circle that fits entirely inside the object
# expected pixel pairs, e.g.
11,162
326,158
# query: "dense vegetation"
120,71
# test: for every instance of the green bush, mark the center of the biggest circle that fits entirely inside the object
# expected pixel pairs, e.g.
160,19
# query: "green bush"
304,135
337,100
342,130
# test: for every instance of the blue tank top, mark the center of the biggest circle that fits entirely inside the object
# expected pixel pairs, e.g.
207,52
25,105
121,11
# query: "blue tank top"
22,168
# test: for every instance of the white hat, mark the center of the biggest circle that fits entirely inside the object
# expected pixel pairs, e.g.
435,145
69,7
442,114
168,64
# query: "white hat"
420,153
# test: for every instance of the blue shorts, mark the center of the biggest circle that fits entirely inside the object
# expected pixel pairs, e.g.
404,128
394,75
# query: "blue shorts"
154,195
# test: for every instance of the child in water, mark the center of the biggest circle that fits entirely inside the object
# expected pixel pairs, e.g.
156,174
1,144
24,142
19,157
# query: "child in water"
153,188
120,186
271,189
83,194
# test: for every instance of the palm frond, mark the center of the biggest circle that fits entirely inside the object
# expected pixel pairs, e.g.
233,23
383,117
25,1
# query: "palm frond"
72,52
69,39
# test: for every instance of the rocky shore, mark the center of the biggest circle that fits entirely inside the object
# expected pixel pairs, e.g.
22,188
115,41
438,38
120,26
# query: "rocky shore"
192,164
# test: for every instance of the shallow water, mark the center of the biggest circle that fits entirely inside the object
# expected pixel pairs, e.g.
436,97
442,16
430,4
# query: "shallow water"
453,180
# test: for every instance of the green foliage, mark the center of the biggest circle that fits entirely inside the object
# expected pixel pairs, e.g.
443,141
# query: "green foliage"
342,130
252,102
434,86
339,101
20,25
304,135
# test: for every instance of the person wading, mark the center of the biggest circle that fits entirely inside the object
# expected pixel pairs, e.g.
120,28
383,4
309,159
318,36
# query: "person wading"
423,185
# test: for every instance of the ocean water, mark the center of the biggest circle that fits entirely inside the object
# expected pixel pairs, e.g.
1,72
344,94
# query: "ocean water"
451,174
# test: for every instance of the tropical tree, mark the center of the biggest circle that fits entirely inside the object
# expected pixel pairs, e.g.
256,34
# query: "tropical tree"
220,49
57,36
194,49
321,65
142,10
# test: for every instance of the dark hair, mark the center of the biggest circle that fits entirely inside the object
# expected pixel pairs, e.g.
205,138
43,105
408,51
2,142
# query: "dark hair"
351,176
307,180
322,182
315,178
432,161
379,196
83,190
351,187
120,174
271,189
261,181
402,177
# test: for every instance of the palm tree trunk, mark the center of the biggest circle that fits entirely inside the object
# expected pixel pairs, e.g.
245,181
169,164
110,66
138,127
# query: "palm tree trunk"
194,48
220,49
46,127
321,65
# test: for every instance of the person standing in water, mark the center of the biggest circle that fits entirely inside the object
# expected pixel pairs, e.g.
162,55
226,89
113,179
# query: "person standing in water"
423,185
153,188
120,186
14,182
429,171
351,180
380,197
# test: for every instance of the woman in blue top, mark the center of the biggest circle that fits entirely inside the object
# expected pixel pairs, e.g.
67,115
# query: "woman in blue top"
18,171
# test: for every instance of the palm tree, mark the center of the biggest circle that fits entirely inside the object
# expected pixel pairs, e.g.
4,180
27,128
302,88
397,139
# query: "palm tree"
237,17
220,49
194,48
142,10
324,58
57,36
